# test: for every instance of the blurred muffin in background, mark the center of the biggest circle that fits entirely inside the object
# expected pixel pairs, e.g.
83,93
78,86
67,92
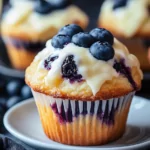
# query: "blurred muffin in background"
28,24
129,20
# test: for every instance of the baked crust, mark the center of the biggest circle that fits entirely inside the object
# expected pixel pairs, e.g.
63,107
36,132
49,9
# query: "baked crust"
116,87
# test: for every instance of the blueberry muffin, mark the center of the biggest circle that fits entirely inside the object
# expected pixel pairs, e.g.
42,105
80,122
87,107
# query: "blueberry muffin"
28,24
83,84
129,21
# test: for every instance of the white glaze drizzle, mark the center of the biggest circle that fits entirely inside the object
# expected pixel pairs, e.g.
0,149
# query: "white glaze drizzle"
95,72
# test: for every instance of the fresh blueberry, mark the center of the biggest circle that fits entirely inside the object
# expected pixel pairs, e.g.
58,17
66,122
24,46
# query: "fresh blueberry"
59,41
14,87
83,39
49,61
119,3
102,35
26,92
102,51
12,101
43,7
70,30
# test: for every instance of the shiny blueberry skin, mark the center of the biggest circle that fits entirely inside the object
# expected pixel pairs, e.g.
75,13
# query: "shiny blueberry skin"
83,39
43,7
14,87
12,101
26,92
70,30
102,35
102,51
59,41
119,3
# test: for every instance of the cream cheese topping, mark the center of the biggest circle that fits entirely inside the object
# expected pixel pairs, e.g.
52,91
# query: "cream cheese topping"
22,14
130,17
95,72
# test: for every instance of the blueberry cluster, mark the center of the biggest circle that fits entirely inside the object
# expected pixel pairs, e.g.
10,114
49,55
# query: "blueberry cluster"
119,3
12,92
99,40
46,6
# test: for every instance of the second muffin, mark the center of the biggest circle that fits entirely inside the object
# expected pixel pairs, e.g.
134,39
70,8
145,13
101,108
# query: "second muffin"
27,25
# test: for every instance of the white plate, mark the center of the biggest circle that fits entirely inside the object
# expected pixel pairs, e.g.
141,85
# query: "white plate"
23,122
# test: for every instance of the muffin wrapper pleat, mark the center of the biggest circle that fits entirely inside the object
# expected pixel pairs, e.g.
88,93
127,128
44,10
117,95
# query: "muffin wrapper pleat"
78,122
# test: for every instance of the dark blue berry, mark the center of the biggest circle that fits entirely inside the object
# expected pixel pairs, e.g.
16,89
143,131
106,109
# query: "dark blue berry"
69,67
102,35
83,39
26,92
59,41
43,7
119,3
69,70
70,30
14,87
12,101
102,51
49,61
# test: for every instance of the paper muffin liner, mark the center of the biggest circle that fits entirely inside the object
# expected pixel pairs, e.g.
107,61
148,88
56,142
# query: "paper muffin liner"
76,122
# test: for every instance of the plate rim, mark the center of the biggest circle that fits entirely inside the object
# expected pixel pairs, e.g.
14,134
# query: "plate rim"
39,144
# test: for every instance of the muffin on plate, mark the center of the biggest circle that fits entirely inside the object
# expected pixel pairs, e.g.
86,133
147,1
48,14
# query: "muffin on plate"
83,84
130,22
27,25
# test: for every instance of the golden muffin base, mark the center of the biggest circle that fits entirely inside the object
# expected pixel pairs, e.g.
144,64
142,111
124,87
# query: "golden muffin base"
84,129
20,58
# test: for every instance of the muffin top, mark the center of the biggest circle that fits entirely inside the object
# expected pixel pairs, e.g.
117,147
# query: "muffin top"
84,66
33,19
128,18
